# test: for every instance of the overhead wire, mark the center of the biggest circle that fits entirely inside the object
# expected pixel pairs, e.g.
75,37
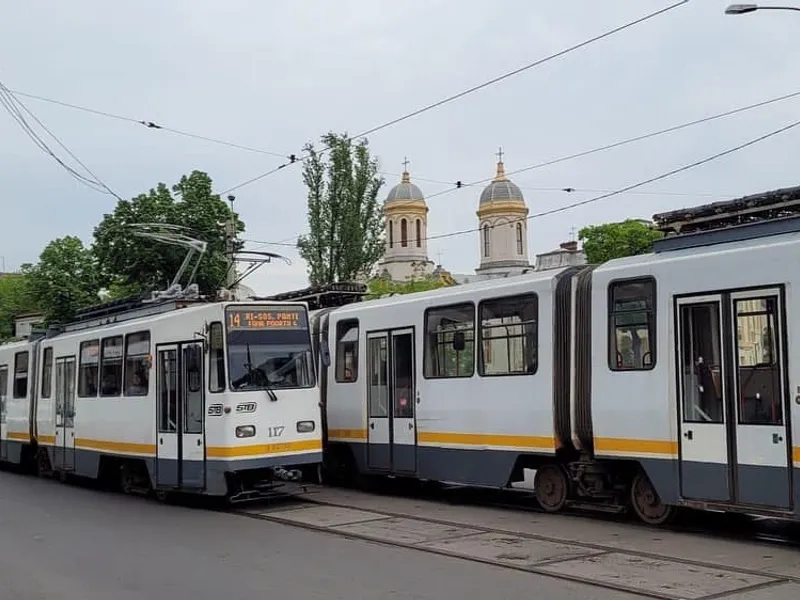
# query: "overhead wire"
11,103
604,196
294,159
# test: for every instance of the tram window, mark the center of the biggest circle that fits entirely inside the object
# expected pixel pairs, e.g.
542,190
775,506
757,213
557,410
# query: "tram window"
450,341
347,351
216,359
508,336
47,373
701,363
632,325
3,392
21,375
89,373
758,361
137,363
111,366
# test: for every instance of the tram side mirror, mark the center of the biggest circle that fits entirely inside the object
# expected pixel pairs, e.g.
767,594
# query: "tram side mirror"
459,342
325,353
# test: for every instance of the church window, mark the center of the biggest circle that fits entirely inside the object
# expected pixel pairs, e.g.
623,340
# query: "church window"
404,233
486,240
391,234
419,233
519,238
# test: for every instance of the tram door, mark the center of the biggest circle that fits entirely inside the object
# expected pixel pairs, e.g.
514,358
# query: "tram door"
705,472
3,424
734,437
181,401
64,450
392,435
762,435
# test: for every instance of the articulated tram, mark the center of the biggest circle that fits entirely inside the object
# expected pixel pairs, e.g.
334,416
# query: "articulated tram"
656,381
214,398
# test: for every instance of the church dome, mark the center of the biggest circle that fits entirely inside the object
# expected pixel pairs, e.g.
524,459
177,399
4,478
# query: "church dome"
501,189
405,191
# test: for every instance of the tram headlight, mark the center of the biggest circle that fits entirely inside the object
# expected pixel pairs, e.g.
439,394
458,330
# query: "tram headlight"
245,431
305,426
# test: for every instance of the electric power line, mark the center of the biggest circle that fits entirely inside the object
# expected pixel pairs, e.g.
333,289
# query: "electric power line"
610,194
12,104
471,90
459,184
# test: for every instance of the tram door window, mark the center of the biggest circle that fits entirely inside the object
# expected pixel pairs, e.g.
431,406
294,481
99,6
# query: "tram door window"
705,472
378,454
3,405
762,448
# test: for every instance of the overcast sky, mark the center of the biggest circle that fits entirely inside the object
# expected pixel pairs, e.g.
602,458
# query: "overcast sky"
275,75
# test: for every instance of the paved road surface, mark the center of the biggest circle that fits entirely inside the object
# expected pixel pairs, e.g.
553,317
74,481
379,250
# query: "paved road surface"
60,542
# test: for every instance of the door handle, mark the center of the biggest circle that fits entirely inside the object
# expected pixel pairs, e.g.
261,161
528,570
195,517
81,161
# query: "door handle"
777,438
688,435
410,426
199,443
372,425
161,441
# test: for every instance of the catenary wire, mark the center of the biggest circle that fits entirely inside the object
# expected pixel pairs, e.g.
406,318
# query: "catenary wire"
458,185
10,102
468,91
610,194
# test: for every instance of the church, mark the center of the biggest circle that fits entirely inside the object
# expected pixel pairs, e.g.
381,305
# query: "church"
502,222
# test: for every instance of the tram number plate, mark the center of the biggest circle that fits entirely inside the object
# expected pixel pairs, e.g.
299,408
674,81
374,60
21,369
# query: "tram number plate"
276,431
214,410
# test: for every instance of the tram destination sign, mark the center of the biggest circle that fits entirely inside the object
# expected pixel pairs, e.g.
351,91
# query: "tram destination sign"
261,318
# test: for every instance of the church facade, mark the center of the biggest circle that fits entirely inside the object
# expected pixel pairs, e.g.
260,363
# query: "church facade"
502,222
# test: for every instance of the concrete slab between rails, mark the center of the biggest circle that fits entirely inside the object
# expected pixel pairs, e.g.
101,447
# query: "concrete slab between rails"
508,549
783,591
631,537
656,576
324,516
404,531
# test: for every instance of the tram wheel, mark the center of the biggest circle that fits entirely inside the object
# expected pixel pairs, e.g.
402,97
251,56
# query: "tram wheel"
552,488
647,503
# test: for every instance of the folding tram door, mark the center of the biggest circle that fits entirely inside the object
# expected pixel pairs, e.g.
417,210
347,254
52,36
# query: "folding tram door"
734,407
391,397
180,460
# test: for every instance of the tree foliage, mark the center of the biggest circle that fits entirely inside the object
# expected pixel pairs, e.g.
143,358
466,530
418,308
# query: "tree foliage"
65,279
616,240
380,286
15,299
345,217
131,264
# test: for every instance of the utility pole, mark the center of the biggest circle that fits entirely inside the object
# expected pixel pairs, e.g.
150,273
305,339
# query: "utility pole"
230,243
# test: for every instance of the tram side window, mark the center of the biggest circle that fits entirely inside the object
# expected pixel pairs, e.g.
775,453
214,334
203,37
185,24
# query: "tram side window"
137,363
450,341
632,325
3,392
216,358
111,366
47,373
347,351
508,336
89,373
20,375
758,361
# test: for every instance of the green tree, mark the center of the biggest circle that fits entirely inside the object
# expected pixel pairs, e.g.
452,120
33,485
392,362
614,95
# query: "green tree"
132,264
615,240
15,299
344,216
65,279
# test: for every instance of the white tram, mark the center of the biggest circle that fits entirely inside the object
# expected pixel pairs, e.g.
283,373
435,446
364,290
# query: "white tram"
663,380
207,398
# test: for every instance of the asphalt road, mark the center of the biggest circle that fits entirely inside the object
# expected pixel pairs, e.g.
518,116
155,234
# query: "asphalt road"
61,542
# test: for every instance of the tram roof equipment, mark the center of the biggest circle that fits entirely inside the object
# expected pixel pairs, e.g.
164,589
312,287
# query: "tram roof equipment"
758,215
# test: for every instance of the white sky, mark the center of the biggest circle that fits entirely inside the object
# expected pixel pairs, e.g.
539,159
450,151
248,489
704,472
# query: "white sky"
275,75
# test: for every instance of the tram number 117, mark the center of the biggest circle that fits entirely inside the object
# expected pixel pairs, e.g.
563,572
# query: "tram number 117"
274,432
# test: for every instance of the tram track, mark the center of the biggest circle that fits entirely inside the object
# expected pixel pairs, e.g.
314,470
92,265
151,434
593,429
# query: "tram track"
591,550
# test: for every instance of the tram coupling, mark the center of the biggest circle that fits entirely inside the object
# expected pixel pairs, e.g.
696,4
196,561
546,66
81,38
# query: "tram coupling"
287,474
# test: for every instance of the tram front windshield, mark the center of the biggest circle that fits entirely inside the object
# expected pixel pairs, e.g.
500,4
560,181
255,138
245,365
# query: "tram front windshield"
269,348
